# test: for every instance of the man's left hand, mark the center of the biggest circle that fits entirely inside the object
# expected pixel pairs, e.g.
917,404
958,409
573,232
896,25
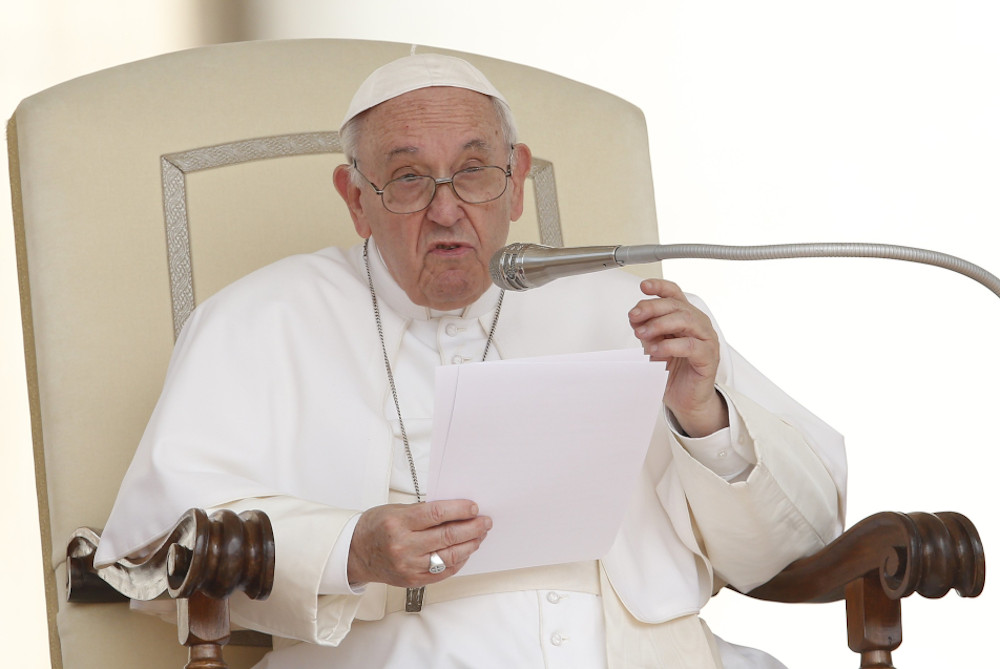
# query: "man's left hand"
671,329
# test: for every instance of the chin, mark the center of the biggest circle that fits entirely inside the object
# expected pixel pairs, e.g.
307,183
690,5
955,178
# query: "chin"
455,296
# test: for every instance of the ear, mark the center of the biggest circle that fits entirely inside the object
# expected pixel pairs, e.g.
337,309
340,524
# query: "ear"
348,190
518,174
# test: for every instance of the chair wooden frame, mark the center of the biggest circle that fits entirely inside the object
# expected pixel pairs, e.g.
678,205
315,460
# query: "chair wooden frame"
872,567
199,564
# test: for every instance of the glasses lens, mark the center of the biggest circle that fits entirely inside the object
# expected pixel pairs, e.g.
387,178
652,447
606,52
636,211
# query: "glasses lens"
480,184
414,192
408,194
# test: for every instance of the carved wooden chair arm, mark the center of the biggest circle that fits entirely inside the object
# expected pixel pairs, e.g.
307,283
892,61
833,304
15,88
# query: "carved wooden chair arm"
876,563
872,566
200,563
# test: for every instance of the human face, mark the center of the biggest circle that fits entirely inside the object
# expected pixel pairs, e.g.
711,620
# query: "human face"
439,256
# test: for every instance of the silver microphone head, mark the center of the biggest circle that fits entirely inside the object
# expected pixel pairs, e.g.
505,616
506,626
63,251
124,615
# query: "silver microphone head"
521,266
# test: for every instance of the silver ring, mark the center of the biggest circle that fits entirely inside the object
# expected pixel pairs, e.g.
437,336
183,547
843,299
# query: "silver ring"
437,564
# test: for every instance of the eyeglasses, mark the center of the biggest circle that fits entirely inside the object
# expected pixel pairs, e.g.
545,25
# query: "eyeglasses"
411,193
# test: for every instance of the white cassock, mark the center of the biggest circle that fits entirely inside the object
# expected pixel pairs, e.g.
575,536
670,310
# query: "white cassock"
277,398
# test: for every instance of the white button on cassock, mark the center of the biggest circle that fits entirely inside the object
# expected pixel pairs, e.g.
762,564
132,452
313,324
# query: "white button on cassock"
571,630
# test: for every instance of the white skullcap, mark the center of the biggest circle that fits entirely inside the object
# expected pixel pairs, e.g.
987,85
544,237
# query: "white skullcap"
414,72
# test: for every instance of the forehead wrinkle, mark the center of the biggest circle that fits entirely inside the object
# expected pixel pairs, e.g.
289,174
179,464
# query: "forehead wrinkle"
409,150
426,112
429,111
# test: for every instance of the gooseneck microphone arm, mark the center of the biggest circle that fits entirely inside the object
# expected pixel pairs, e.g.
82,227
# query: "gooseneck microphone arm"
525,266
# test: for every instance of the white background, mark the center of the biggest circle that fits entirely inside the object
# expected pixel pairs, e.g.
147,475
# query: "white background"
769,122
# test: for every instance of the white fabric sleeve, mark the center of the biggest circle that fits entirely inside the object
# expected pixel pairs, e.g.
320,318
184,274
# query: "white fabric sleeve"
334,580
305,534
786,508
727,452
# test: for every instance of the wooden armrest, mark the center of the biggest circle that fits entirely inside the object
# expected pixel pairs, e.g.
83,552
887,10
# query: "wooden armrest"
199,563
876,563
873,565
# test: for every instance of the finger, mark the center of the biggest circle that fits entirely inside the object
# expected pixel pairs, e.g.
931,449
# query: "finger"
649,309
662,288
467,530
688,322
669,298
675,323
455,556
458,539
456,533
432,514
698,353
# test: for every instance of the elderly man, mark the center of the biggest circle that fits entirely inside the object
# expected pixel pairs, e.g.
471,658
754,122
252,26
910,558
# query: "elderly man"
304,390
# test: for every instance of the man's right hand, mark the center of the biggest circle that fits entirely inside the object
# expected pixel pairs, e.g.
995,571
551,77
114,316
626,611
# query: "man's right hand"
393,543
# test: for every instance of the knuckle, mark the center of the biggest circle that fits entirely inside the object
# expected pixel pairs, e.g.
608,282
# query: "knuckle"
459,556
451,535
436,513
391,525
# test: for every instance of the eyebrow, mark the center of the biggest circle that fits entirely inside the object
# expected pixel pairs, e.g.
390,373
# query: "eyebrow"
400,150
477,144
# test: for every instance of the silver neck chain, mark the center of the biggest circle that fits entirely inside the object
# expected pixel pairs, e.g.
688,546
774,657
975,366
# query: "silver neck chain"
388,367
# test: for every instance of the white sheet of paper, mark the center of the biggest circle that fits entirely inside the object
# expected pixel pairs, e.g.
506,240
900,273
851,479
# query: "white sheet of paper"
549,448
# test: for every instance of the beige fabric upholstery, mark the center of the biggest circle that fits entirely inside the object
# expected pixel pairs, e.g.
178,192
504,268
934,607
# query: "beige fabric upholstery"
88,173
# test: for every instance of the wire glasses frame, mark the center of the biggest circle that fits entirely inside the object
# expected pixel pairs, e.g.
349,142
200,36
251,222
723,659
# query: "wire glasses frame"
411,193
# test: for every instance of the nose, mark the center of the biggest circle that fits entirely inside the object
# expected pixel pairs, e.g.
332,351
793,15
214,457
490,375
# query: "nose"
445,207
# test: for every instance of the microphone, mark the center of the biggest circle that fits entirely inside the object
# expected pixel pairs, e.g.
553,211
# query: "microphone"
523,266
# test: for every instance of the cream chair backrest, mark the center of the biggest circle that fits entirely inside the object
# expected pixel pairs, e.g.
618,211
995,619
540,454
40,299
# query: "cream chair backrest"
143,189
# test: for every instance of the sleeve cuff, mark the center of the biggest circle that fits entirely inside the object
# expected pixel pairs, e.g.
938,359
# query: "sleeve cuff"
334,580
728,452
